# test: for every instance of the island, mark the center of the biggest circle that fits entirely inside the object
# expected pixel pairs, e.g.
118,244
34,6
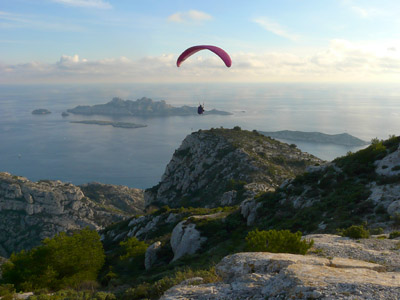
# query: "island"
144,107
343,139
41,111
114,124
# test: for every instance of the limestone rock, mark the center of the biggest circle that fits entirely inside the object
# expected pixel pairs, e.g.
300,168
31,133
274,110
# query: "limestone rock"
217,161
185,239
289,276
32,211
228,198
394,208
151,255
248,209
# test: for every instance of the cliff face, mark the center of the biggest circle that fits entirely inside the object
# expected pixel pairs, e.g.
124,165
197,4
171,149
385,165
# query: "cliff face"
223,167
30,211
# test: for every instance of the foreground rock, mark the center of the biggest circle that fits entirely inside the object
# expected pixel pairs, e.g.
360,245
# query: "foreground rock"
32,211
289,276
225,166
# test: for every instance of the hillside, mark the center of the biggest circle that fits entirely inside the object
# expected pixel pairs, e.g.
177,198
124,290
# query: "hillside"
188,252
351,190
145,107
221,167
32,211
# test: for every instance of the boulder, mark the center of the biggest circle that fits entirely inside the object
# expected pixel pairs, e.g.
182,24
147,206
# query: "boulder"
151,255
185,239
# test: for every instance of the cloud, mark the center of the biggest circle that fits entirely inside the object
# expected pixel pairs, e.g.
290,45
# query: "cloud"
275,28
86,3
340,61
189,17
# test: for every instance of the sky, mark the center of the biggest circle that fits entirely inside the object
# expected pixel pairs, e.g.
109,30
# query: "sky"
110,41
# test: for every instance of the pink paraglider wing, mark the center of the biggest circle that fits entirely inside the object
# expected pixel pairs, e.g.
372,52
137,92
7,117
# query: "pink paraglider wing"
192,50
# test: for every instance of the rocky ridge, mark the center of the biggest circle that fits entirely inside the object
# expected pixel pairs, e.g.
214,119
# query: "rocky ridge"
362,187
288,276
32,211
225,166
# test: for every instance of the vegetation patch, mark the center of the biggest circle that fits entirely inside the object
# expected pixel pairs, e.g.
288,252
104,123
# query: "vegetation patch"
282,241
355,232
63,261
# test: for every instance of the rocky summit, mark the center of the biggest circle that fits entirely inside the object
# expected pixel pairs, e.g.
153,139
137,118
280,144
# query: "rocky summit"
32,211
221,167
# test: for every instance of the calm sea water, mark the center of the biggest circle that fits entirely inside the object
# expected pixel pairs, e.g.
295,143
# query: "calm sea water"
50,147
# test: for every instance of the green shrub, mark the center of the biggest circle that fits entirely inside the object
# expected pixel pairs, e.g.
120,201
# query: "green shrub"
133,248
396,219
394,234
355,232
155,290
6,289
63,261
274,241
376,231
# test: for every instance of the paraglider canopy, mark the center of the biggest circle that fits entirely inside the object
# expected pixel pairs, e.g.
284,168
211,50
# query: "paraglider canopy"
192,50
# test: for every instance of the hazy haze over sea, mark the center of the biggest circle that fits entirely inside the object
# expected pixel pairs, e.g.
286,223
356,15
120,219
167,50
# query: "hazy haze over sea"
50,147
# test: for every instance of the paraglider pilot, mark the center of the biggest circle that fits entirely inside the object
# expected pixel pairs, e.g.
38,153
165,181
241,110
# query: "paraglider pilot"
200,109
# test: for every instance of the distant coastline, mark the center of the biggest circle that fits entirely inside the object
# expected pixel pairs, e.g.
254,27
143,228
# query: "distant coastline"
343,139
144,107
114,124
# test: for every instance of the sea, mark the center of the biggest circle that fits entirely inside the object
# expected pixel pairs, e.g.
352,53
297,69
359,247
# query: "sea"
51,147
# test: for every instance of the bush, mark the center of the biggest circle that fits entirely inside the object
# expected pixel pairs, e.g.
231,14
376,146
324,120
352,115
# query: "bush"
274,241
7,291
63,261
133,248
394,234
355,232
376,231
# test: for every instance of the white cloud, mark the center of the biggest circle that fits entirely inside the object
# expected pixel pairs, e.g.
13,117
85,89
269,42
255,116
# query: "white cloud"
275,28
86,3
340,61
189,16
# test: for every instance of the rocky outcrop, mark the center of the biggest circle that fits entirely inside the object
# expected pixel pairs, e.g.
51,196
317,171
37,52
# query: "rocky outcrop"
289,276
151,255
185,239
118,197
210,163
32,211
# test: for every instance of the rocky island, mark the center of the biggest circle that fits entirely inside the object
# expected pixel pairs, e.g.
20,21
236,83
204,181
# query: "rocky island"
144,107
343,139
113,124
41,111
